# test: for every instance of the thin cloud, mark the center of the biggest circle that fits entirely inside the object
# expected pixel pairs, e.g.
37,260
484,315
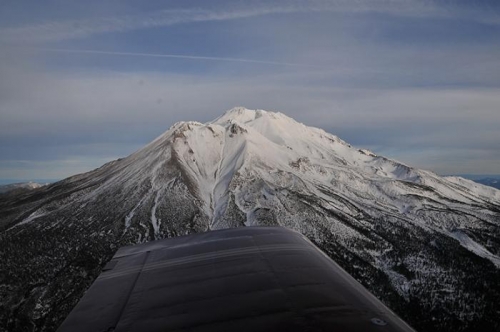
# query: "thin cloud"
131,109
181,56
72,29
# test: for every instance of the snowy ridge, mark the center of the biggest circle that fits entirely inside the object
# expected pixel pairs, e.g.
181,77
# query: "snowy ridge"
476,248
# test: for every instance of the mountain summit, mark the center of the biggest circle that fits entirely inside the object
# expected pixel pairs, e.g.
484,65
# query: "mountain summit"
428,246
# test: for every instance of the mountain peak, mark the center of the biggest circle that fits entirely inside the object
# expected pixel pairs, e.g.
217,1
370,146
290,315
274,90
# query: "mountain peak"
240,110
238,114
243,115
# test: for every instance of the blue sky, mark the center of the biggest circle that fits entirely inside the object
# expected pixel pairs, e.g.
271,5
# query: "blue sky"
85,82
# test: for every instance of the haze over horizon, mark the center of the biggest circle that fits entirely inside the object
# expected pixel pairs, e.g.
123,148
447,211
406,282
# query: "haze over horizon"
82,84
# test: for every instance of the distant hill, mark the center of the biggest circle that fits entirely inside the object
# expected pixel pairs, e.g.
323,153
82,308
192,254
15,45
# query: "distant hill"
19,187
492,182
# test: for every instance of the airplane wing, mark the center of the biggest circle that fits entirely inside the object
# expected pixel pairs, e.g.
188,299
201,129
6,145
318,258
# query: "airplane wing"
240,279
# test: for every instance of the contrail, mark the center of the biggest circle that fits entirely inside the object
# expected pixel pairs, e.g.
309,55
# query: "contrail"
180,56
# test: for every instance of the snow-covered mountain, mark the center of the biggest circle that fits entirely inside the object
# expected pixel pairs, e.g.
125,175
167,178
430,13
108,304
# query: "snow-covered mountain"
428,246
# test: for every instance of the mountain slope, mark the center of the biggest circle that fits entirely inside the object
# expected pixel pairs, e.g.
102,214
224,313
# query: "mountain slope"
427,246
